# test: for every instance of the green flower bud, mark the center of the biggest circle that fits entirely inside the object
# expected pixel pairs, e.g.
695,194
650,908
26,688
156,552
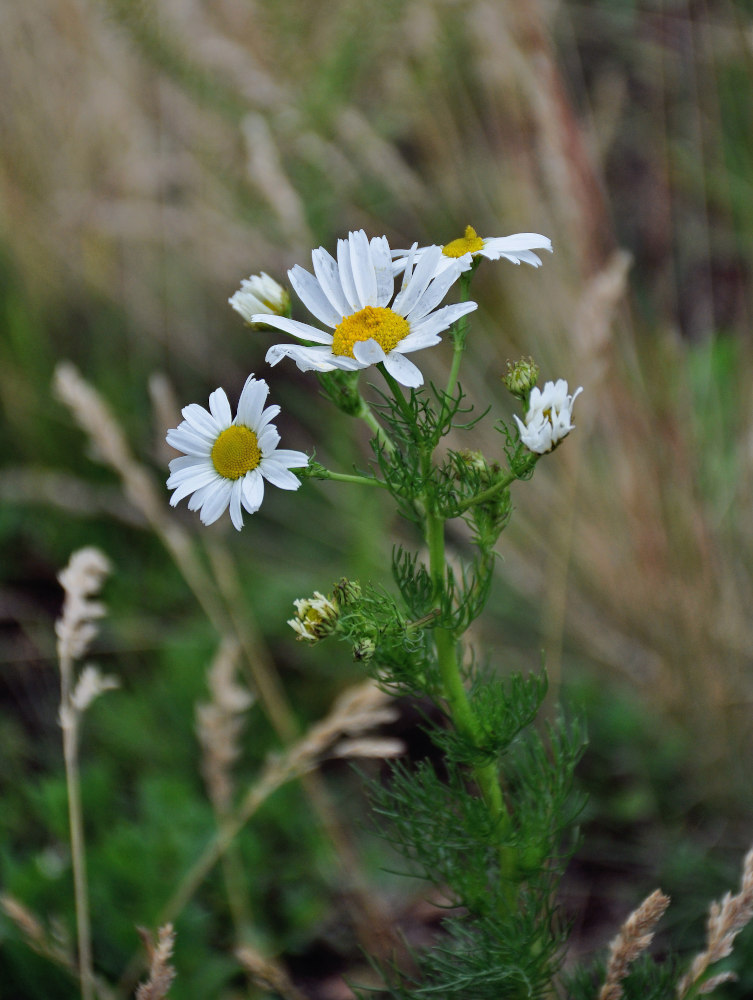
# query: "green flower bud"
521,377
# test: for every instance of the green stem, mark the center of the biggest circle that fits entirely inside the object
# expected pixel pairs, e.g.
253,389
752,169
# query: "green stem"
344,477
456,696
366,414
460,331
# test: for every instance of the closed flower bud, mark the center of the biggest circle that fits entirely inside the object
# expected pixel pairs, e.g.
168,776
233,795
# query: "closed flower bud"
364,650
346,591
315,617
260,294
521,377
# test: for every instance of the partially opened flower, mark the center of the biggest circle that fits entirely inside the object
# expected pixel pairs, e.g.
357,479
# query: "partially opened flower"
226,460
549,415
260,295
516,248
354,296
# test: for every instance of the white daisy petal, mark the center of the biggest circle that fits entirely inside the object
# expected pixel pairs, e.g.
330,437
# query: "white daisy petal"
228,471
328,276
382,261
279,476
301,330
407,298
268,440
220,408
253,490
433,295
187,441
403,370
236,491
216,502
308,359
346,275
443,318
362,267
368,352
312,295
200,421
253,396
291,459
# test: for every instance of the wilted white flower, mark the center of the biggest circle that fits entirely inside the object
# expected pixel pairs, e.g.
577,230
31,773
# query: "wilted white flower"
227,460
354,295
516,248
549,415
260,295
315,617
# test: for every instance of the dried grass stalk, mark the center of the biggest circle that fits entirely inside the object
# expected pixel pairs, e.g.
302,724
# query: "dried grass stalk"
634,937
161,972
267,974
219,724
726,919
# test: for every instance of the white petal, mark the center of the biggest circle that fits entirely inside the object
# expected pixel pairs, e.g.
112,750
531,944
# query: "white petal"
368,352
310,292
190,485
253,397
291,459
362,267
443,318
279,476
268,440
201,421
269,414
328,276
403,370
518,241
183,439
425,270
253,491
383,269
235,504
220,408
434,294
317,359
346,276
186,463
301,330
196,500
216,502
417,340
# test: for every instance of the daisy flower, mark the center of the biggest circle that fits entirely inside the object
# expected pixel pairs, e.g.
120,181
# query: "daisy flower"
516,248
548,417
226,460
259,295
354,296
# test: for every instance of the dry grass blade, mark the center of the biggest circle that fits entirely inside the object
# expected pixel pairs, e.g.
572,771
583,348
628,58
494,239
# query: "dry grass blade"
161,972
726,919
267,974
634,937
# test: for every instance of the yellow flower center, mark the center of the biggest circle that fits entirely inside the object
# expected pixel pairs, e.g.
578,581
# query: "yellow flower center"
236,452
470,243
384,326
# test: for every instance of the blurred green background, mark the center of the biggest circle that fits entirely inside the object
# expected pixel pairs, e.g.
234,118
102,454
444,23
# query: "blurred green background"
155,153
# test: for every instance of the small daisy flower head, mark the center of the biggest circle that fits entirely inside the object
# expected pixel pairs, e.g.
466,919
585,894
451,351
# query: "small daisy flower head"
462,251
355,297
226,460
258,296
549,416
315,617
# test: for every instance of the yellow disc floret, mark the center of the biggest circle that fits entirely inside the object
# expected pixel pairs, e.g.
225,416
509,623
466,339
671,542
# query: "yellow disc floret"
384,326
236,452
470,243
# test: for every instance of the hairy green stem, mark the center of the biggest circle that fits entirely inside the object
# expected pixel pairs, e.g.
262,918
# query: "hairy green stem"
366,414
460,331
344,477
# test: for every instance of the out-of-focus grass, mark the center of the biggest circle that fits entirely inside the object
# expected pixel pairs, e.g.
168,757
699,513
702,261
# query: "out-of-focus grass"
152,156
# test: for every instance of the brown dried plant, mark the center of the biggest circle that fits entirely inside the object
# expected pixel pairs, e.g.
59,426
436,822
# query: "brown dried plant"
726,919
634,937
81,580
161,972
